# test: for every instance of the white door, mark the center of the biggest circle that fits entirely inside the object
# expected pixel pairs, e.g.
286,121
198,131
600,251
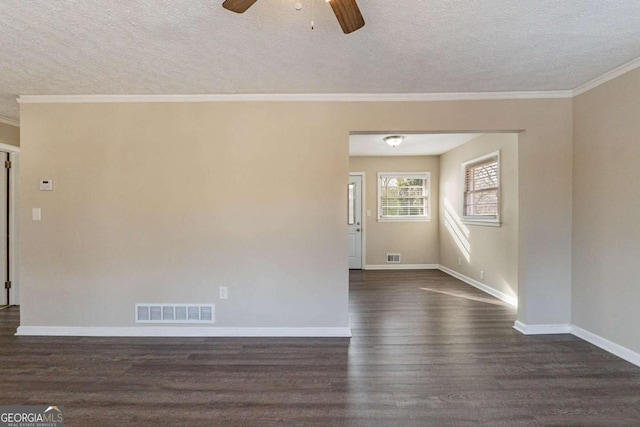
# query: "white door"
355,221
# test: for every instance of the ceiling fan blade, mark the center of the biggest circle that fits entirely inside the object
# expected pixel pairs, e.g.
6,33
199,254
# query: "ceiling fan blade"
238,6
348,15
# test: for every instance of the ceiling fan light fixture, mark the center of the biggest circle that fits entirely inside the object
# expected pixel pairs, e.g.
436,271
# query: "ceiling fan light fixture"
347,12
393,140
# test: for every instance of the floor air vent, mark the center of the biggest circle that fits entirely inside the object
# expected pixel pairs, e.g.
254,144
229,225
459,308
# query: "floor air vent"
393,258
175,313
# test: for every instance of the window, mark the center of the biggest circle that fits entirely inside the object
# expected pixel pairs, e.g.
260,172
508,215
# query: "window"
482,189
403,196
352,204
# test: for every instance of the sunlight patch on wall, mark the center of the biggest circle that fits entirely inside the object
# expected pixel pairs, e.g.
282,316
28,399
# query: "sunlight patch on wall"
459,232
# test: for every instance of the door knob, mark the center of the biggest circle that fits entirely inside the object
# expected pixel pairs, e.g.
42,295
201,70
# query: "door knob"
358,230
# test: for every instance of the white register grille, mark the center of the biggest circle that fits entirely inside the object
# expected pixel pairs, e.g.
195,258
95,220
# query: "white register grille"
175,313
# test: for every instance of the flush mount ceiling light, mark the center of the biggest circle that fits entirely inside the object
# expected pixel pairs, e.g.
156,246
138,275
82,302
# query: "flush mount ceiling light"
393,140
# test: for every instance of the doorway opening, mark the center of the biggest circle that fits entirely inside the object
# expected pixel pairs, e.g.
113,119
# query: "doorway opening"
438,200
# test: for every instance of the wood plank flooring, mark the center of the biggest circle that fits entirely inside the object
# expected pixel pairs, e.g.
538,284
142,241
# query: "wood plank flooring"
427,350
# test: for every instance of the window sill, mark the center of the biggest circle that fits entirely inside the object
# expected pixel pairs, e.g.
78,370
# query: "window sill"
423,219
482,223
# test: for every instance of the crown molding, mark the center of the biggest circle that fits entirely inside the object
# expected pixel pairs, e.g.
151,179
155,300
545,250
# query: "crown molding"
608,76
328,97
8,121
302,97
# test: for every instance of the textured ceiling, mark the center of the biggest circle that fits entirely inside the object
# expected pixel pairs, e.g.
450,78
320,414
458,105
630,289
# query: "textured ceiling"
372,144
196,47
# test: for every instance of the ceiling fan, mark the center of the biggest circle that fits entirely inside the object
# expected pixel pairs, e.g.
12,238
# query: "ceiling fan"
346,11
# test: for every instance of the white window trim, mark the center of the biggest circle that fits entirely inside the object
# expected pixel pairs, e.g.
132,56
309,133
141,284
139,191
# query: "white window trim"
477,220
420,175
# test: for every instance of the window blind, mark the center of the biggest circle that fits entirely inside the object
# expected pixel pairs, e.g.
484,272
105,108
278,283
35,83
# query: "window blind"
481,196
403,196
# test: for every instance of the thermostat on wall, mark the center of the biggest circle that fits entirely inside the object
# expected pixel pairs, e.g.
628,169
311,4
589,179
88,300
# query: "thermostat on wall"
46,185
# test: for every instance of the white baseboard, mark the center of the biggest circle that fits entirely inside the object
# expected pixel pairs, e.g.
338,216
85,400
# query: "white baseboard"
609,346
542,329
155,331
613,348
511,300
401,267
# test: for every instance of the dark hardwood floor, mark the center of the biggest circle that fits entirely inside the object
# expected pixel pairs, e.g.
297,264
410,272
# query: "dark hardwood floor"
427,350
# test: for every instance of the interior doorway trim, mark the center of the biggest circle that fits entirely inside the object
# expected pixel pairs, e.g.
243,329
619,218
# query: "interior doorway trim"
364,215
14,153
9,148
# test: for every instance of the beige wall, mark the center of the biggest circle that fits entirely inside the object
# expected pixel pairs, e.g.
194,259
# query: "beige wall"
493,250
417,242
606,206
9,134
165,202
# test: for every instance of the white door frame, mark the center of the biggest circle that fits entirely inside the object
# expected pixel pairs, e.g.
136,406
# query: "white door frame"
363,216
13,221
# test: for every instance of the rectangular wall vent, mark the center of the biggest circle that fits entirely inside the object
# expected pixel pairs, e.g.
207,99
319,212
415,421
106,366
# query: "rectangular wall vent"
393,258
175,313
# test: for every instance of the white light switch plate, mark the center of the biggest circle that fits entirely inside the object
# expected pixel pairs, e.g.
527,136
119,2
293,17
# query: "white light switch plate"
36,214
